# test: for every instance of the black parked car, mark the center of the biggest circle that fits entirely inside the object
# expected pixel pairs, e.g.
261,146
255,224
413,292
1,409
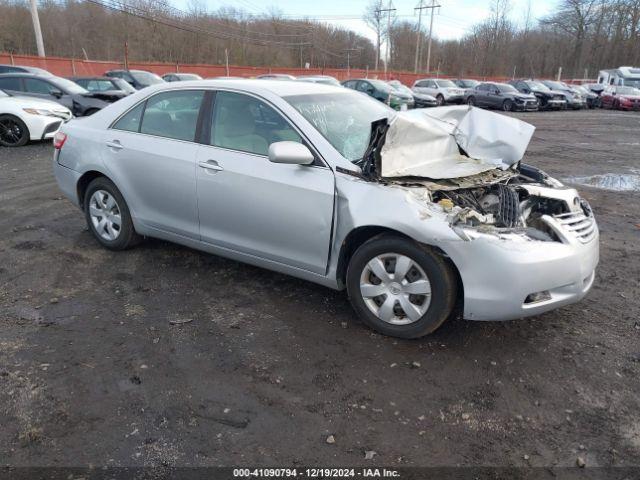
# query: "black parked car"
80,101
574,99
180,77
547,99
23,69
105,87
138,79
502,96
593,99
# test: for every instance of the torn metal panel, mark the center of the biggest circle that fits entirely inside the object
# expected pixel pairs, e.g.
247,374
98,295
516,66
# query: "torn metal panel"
452,142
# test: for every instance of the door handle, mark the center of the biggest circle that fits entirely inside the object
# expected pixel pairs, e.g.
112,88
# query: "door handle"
211,165
116,145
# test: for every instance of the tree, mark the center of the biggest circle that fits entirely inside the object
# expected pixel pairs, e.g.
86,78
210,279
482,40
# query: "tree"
374,17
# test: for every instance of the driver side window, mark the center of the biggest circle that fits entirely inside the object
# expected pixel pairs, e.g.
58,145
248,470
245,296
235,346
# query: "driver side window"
33,85
244,123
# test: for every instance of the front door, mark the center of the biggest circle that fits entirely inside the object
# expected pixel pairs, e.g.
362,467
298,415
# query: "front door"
250,205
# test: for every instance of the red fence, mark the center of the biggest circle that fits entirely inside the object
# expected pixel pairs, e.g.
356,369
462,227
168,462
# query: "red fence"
67,67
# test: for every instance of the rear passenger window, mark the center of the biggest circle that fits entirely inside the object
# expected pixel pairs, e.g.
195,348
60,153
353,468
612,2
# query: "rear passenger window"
131,121
173,114
244,123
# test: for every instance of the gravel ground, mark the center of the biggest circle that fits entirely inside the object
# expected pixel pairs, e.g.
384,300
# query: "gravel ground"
162,355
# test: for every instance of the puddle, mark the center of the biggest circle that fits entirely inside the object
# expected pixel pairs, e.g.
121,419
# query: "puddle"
610,181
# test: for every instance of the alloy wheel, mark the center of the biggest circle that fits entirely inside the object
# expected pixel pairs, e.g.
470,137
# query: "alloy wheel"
105,215
395,288
10,132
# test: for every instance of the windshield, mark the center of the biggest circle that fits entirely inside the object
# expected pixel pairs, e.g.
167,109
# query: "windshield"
468,83
503,87
344,119
537,86
380,85
68,86
554,85
123,85
446,84
145,78
401,88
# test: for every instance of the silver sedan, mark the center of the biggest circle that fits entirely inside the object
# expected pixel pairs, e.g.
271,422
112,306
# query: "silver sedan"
287,176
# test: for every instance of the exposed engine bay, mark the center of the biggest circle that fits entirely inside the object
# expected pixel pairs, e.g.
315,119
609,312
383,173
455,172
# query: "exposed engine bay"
511,198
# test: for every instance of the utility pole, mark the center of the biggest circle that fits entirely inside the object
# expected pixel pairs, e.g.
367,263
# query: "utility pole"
420,7
433,7
36,27
349,50
389,9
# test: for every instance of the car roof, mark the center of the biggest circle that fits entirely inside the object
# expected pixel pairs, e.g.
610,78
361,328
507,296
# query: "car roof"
281,88
26,75
92,78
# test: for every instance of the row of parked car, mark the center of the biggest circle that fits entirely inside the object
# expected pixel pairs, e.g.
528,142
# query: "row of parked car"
34,102
516,95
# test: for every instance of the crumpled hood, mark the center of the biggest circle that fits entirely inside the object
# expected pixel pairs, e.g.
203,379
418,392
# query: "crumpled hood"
432,143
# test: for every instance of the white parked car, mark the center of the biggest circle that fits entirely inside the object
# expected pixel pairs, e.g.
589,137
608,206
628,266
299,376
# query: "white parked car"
445,91
23,119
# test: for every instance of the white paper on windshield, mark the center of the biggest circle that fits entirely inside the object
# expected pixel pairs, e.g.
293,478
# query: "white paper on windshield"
427,142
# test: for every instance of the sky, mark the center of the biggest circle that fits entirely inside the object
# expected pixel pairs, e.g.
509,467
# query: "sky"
452,20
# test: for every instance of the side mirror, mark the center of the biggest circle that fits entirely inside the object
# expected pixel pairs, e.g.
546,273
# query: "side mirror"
292,153
56,93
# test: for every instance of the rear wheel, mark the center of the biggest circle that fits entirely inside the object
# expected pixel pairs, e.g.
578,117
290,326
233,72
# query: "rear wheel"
471,101
108,216
507,105
13,131
400,288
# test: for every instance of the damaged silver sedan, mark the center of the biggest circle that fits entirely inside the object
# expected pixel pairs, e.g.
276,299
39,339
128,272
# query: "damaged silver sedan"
416,214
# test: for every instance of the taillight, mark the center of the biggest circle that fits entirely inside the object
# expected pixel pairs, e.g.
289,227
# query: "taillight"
58,140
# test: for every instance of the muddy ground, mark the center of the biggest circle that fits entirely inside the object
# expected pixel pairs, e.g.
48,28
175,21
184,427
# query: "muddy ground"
94,369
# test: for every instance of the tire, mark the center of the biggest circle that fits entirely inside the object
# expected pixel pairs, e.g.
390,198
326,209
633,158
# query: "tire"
102,196
471,101
440,99
13,131
429,311
507,105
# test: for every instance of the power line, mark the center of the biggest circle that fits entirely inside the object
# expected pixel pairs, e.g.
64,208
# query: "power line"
242,31
118,6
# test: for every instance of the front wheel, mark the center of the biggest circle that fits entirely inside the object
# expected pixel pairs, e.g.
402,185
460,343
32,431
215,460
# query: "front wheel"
13,131
108,216
507,105
400,288
440,100
471,101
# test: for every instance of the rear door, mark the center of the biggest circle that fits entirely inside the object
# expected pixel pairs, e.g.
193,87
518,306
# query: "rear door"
151,152
481,95
247,204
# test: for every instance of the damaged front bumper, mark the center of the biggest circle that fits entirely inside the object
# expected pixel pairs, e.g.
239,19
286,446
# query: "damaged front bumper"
505,279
